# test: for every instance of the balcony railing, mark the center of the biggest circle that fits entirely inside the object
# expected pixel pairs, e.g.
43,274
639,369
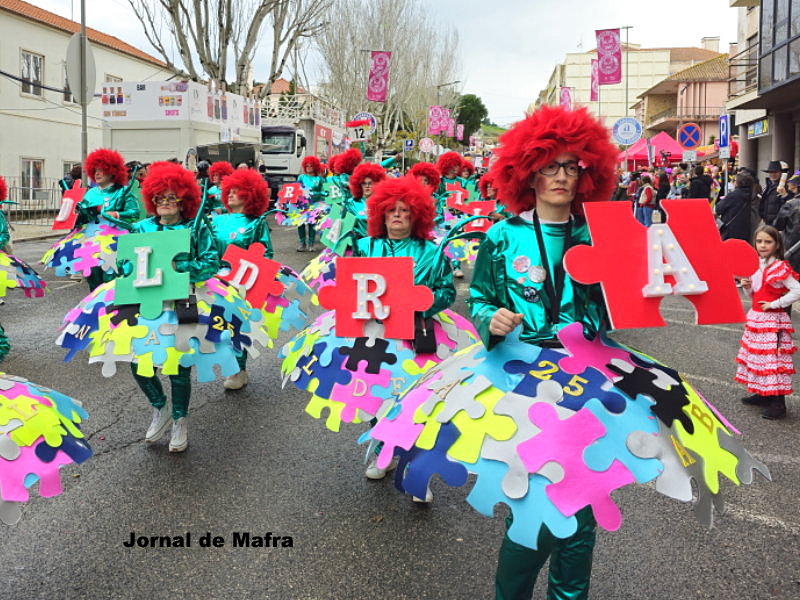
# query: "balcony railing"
686,113
291,108
743,72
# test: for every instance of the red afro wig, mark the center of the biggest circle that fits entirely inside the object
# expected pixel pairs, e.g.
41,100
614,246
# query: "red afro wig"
333,164
484,182
250,187
428,170
313,162
108,161
222,168
449,161
3,189
348,160
375,172
465,164
164,177
536,141
415,195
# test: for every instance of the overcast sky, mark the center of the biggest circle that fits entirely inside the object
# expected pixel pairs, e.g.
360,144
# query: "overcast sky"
508,47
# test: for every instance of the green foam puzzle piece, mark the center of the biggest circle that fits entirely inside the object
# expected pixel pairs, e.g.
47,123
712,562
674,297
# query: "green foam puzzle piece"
154,278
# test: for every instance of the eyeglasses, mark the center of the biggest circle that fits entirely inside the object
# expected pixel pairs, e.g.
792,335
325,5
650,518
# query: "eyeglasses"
164,200
571,168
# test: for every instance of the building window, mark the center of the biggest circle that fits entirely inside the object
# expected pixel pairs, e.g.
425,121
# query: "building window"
794,58
794,17
112,79
767,20
31,177
32,72
68,164
780,36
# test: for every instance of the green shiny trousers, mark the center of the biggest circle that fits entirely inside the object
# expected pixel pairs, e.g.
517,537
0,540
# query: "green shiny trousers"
570,563
181,390
241,359
312,234
98,277
5,346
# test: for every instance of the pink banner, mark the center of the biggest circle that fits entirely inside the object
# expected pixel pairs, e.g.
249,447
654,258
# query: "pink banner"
595,94
434,120
460,131
609,56
451,126
566,97
378,76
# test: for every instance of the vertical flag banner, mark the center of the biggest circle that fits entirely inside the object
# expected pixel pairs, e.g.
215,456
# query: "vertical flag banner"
378,76
451,126
434,120
609,56
595,94
566,97
460,131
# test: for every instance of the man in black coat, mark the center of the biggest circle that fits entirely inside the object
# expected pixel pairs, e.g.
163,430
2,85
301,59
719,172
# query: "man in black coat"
771,200
734,209
700,185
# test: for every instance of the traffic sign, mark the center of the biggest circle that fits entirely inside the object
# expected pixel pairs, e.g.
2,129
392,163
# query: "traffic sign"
627,131
363,132
689,155
724,131
73,65
725,152
426,144
408,144
689,136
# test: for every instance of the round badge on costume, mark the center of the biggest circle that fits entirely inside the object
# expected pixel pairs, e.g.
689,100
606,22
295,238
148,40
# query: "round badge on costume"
530,294
521,263
537,274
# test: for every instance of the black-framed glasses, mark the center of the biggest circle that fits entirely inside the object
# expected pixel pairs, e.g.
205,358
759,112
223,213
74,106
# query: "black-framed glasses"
164,200
571,168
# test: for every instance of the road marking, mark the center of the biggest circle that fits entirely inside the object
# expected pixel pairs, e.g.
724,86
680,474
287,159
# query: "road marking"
737,330
761,519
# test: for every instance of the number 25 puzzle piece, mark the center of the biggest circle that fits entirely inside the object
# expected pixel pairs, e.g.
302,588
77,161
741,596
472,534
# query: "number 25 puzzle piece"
376,288
685,256
154,278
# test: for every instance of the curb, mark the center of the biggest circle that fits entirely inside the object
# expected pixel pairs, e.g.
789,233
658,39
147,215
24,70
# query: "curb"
35,238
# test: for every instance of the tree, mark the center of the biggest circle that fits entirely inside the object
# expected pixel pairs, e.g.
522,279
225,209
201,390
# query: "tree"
208,35
471,112
423,56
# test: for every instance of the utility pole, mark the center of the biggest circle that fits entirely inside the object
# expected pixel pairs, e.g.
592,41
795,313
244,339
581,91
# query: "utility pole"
84,97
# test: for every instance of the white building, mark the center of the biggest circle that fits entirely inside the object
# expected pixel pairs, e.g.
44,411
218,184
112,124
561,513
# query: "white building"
40,122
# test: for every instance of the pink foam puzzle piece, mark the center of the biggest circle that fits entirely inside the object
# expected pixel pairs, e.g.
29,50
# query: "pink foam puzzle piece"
14,472
716,262
357,395
89,253
588,353
563,442
401,431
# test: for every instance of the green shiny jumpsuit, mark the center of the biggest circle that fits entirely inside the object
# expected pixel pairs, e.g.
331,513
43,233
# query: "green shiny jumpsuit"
201,264
500,280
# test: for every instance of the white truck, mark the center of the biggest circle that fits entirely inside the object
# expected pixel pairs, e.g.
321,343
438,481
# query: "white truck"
296,126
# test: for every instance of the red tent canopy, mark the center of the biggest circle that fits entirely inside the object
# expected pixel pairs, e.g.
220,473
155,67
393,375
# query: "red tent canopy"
661,141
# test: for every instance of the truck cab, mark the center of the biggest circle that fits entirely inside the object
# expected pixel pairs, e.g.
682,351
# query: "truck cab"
283,148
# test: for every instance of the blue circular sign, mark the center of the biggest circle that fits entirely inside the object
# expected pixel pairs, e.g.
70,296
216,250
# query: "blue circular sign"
689,136
627,131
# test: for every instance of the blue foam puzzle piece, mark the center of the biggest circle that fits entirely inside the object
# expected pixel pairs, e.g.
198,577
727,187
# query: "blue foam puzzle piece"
141,346
423,464
78,450
326,375
86,323
223,355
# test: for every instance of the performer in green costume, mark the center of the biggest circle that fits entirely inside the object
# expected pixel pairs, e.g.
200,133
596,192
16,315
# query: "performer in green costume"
246,198
549,164
312,181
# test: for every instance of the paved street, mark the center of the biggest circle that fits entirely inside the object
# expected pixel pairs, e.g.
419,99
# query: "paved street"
257,463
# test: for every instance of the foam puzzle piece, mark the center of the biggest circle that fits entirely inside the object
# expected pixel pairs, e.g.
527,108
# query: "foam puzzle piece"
564,442
317,404
10,512
577,388
154,278
186,333
423,465
394,304
260,272
75,448
127,313
615,232
613,445
588,353
747,464
458,397
373,354
359,395
88,255
669,404
531,512
75,336
324,376
223,357
14,472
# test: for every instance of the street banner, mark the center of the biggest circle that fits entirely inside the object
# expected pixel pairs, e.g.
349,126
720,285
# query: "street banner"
434,120
378,82
460,131
595,87
451,126
566,97
609,56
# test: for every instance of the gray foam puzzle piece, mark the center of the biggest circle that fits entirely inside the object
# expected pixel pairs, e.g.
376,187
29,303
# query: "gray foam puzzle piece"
8,449
440,389
109,360
184,333
10,426
10,512
325,325
747,463
462,397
